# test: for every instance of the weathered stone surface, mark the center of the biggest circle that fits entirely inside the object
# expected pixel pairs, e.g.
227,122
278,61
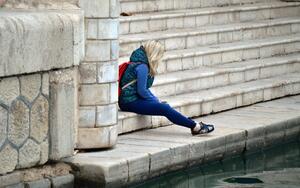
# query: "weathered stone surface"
106,115
8,159
11,91
39,119
30,86
18,127
95,94
88,73
44,147
107,72
45,84
3,125
95,9
10,179
29,154
96,137
66,181
63,112
39,41
87,117
43,183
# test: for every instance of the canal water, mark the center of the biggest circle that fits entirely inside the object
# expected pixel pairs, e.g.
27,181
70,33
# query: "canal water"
276,167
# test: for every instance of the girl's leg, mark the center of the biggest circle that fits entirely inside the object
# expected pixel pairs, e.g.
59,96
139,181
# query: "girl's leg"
158,109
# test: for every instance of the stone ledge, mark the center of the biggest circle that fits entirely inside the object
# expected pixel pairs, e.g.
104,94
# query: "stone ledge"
144,154
33,41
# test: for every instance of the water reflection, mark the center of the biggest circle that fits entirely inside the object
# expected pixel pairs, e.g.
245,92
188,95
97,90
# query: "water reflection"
212,175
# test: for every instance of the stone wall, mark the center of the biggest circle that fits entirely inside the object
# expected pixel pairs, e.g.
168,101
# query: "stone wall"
25,4
40,54
24,121
99,70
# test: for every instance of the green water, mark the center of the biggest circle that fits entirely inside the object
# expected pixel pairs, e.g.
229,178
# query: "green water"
274,167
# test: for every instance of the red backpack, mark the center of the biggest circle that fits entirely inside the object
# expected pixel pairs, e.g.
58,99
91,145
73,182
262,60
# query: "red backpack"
122,69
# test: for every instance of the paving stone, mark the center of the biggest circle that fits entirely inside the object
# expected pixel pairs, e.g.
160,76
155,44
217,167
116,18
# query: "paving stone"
3,125
18,126
30,86
66,181
11,91
44,148
10,179
29,154
39,119
8,159
43,183
45,84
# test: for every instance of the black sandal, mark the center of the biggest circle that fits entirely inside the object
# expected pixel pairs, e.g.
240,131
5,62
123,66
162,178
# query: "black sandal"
205,128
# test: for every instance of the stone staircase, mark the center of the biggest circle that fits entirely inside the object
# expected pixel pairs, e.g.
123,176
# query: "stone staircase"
219,54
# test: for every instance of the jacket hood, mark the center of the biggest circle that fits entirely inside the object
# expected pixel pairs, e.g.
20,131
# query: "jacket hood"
139,55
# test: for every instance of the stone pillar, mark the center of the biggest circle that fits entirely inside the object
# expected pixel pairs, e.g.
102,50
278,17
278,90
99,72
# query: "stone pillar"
98,89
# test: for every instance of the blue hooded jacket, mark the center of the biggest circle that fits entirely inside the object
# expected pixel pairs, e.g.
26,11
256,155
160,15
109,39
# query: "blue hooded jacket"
130,93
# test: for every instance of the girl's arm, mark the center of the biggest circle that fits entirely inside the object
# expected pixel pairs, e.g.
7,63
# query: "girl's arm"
142,76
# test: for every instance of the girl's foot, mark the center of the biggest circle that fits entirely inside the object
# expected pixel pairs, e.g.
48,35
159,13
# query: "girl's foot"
202,128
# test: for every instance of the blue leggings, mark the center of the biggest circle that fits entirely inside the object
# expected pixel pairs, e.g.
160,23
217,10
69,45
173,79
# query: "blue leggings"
154,108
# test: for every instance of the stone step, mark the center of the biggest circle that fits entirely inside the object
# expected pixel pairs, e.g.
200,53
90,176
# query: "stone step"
193,37
138,6
144,154
215,100
220,75
165,20
178,60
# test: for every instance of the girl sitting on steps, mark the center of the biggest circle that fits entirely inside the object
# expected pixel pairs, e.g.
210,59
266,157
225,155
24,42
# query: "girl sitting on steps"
136,96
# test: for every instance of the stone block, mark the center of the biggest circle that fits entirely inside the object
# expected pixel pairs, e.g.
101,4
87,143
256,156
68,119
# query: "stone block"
108,29
231,56
202,20
186,86
225,37
114,51
95,94
164,90
224,104
63,112
253,97
97,50
91,28
29,154
136,123
251,74
3,125
107,72
39,119
221,80
11,91
44,38
247,16
8,159
193,41
212,59
275,133
175,22
197,150
188,63
138,26
87,117
114,89
236,77
88,73
252,53
66,181
268,51
95,8
219,18
44,148
157,25
210,39
235,143
174,65
30,86
18,185
106,115
175,43
114,8
10,179
189,22
96,137
45,84
214,149
43,183
18,125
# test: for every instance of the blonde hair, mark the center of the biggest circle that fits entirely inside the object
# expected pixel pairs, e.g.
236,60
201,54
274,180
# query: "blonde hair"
155,52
